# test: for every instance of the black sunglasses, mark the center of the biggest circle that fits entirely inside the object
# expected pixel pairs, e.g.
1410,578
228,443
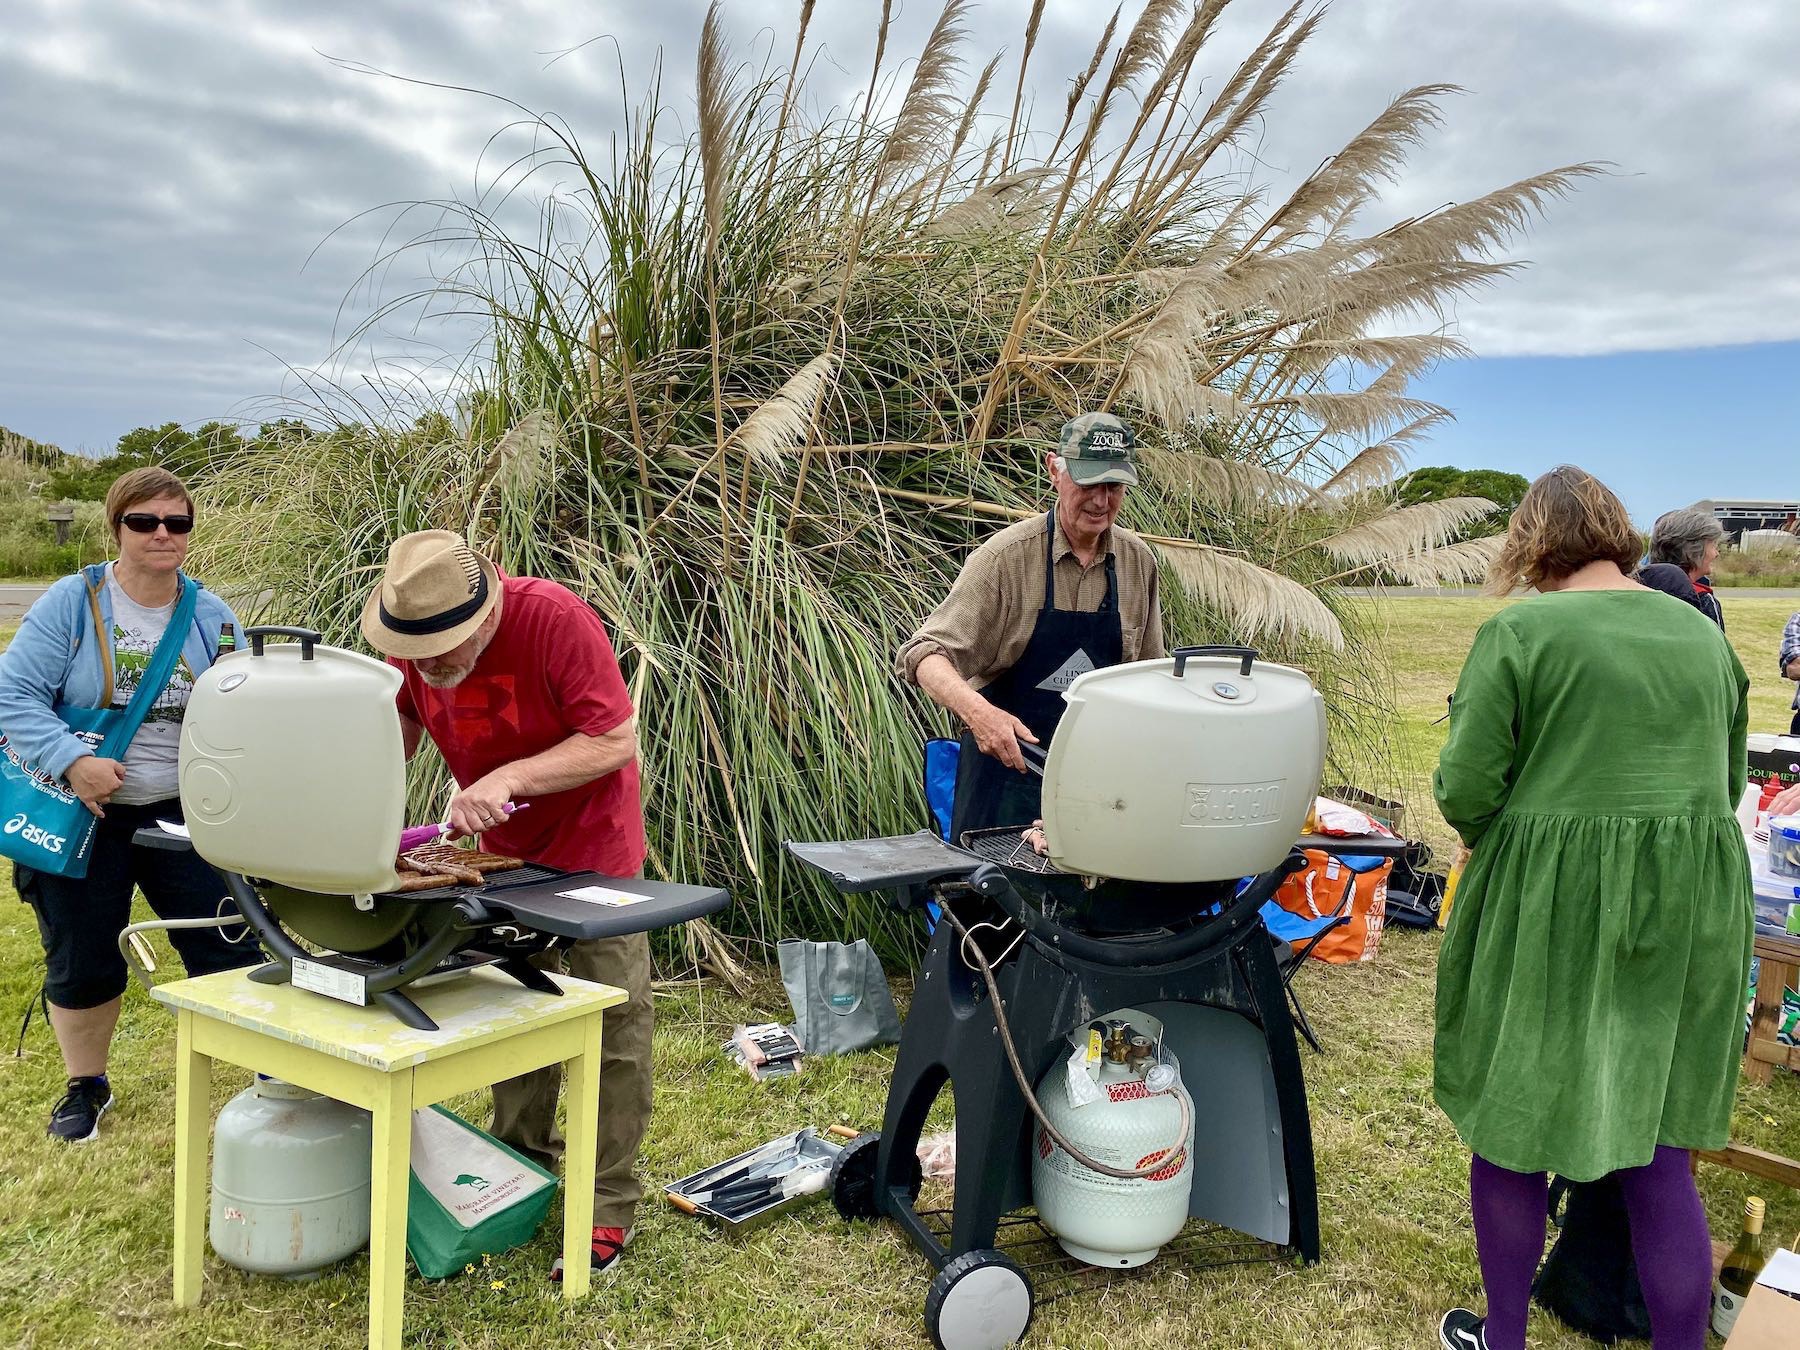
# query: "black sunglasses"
142,522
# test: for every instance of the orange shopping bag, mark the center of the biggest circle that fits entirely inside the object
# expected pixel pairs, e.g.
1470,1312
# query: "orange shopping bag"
1329,885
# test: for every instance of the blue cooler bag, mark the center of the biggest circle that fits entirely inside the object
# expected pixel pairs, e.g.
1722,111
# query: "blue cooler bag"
469,1195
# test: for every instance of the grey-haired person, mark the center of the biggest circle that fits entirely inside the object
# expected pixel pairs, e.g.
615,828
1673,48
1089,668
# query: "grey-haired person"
1036,605
1684,545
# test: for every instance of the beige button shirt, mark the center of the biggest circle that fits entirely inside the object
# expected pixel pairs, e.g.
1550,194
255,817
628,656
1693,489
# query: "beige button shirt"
986,620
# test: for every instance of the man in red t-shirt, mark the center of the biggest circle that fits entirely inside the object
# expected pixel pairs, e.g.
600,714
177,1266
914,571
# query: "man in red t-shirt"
516,683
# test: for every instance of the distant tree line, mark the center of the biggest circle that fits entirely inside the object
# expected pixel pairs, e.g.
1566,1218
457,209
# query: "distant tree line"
1440,481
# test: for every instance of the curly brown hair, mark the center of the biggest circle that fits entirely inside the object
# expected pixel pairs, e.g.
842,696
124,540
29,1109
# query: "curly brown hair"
1567,519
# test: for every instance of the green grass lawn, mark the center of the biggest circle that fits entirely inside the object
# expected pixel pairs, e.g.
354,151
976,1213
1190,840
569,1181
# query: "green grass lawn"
84,1233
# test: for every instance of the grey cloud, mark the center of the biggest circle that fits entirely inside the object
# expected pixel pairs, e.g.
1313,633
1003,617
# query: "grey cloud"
170,170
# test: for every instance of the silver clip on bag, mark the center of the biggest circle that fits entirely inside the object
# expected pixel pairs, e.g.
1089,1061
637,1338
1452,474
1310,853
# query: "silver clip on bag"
840,996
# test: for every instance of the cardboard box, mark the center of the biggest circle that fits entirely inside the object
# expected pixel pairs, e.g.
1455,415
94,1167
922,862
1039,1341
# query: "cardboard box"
1770,1319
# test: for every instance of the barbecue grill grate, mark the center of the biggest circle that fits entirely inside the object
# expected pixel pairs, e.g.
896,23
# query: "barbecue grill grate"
1007,847
493,881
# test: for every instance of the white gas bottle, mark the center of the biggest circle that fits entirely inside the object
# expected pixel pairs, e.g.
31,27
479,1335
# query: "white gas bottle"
1126,1122
290,1180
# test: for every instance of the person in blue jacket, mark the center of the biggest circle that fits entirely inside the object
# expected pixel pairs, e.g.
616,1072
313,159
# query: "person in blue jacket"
58,658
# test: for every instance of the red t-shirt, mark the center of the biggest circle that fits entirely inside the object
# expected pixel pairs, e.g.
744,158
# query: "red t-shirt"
548,673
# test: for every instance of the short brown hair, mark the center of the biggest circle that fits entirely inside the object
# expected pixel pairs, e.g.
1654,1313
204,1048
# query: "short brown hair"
142,485
1567,519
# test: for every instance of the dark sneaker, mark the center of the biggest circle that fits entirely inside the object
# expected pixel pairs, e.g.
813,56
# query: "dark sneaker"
76,1118
608,1246
1462,1330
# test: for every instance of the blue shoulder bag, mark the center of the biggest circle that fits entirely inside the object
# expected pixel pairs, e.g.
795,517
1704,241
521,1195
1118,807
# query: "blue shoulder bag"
45,826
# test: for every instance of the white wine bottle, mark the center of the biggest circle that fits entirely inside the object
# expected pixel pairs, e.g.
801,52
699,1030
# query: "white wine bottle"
1742,1265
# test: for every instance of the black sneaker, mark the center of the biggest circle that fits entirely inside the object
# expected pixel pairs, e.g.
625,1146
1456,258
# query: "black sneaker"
1462,1330
76,1118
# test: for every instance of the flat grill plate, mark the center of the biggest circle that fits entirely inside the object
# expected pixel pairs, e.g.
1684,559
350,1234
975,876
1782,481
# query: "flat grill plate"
1007,846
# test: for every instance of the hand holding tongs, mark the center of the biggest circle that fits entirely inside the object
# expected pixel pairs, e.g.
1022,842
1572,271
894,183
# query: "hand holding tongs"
1035,756
417,836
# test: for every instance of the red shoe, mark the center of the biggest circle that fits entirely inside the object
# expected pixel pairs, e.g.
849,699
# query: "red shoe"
607,1247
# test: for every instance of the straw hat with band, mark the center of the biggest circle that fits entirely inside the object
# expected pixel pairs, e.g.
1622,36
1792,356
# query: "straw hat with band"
433,596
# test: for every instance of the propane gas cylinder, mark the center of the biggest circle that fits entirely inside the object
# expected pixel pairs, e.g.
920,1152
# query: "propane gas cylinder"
1127,1123
290,1180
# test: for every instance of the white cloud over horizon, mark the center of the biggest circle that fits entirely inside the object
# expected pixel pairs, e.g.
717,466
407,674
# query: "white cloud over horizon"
184,179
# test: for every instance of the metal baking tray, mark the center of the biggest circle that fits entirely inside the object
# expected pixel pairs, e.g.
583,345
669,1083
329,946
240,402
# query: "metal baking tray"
802,1147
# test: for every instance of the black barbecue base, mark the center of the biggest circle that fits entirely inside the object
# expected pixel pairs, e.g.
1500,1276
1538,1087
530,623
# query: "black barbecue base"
398,1005
1253,1156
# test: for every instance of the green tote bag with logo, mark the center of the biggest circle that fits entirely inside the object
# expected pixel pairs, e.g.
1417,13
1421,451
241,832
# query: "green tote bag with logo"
44,825
469,1195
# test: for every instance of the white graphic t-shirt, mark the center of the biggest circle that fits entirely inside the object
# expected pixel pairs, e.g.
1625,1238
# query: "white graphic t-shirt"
152,758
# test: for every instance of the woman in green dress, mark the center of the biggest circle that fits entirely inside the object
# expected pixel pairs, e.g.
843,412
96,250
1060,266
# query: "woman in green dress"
1590,998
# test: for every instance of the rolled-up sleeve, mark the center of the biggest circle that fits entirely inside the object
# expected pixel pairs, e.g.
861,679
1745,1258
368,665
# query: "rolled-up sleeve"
1475,771
967,628
1790,643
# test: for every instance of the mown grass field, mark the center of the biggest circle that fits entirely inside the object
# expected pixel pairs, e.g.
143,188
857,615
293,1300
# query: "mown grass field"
84,1234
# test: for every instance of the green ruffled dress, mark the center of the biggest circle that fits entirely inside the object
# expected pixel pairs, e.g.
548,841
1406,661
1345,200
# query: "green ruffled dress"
1590,996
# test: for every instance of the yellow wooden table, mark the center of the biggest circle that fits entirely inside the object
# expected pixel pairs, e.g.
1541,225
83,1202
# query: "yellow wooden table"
491,1029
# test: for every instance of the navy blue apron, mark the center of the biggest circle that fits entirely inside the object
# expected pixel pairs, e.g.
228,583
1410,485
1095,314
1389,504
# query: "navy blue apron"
1064,643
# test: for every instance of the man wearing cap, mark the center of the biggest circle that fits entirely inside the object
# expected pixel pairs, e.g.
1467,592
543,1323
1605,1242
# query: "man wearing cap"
1040,603
515,681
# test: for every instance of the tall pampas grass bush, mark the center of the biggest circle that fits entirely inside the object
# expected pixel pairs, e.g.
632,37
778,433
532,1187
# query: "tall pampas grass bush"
756,390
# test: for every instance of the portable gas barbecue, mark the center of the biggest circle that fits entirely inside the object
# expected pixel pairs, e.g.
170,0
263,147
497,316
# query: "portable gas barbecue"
293,783
1167,783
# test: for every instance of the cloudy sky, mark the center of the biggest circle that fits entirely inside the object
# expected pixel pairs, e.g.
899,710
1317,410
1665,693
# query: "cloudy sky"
182,185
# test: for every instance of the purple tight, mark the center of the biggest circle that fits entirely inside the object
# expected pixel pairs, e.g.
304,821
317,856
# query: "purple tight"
1669,1241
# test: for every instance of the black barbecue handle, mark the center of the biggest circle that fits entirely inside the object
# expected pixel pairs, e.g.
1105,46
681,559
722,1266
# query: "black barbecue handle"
1244,654
306,637
992,883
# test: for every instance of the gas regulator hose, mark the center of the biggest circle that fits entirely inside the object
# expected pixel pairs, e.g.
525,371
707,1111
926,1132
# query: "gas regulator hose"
1175,1156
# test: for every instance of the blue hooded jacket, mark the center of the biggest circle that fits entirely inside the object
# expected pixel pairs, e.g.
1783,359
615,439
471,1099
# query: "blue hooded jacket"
54,661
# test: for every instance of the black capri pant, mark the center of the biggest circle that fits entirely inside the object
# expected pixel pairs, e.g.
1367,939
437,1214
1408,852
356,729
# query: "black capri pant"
80,920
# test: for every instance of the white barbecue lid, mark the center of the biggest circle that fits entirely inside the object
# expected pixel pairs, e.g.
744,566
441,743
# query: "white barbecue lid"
293,770
1205,775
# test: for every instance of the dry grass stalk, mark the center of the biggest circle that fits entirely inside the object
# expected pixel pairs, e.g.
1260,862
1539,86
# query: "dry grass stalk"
1012,125
783,422
1378,465
1449,564
1343,182
1255,599
1235,486
1396,536
1081,82
932,96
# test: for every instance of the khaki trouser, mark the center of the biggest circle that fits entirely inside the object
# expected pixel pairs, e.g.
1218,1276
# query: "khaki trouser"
525,1107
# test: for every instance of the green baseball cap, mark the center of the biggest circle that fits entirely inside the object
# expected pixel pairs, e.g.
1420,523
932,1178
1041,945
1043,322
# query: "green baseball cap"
1098,448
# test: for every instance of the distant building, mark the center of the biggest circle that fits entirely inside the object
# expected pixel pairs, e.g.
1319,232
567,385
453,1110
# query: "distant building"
1738,516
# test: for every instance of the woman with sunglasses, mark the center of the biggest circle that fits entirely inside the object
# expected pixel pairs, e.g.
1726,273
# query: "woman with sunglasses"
60,657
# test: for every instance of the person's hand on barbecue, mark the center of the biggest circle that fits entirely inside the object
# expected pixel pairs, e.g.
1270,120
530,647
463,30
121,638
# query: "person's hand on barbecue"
480,806
1035,837
998,733
94,780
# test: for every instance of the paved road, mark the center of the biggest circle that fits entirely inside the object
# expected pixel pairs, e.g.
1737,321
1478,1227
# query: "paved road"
15,600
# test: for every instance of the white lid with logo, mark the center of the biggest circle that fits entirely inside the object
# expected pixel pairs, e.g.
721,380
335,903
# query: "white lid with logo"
1205,775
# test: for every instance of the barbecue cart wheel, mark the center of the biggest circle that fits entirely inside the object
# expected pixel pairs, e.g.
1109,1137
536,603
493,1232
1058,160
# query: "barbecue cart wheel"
853,1188
980,1301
